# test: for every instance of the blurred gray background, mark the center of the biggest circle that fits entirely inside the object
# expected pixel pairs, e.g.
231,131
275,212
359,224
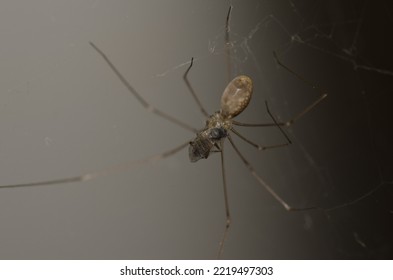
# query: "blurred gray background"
64,113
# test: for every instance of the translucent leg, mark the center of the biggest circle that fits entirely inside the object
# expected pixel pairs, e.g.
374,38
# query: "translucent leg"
103,172
190,88
303,112
227,213
141,100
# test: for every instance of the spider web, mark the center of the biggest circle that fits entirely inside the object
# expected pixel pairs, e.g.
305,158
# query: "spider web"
63,113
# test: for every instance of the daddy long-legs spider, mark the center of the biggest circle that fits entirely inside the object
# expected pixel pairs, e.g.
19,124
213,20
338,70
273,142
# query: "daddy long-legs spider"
219,126
71,231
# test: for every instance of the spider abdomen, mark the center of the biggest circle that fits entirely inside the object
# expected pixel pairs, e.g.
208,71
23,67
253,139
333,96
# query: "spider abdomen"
236,96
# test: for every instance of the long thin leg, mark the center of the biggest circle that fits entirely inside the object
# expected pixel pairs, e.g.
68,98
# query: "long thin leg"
103,172
227,213
303,112
278,198
264,184
262,148
141,100
289,122
276,123
259,147
190,88
228,52
228,45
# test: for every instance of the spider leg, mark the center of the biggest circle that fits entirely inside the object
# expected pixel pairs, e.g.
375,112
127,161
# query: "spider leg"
227,48
276,196
190,88
323,95
228,220
262,148
228,44
103,172
141,100
259,147
264,184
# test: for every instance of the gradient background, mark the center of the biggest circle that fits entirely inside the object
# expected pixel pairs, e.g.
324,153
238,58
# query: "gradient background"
63,113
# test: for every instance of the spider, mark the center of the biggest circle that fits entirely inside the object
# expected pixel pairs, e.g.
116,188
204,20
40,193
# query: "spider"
219,126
